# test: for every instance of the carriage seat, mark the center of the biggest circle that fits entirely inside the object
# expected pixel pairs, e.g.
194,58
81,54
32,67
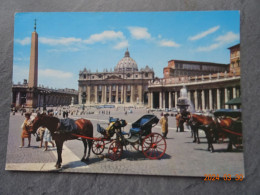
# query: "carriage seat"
67,125
136,127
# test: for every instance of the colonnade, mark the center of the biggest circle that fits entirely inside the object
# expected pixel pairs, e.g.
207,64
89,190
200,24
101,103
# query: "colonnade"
202,99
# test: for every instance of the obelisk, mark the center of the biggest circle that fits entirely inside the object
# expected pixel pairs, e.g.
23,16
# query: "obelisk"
31,99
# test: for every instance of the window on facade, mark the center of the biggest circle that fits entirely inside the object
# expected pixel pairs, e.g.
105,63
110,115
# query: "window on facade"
84,76
119,88
99,88
136,76
113,87
146,74
128,88
128,75
93,77
128,98
100,76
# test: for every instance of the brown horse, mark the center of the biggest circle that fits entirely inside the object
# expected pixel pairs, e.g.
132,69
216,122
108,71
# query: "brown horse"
205,123
84,127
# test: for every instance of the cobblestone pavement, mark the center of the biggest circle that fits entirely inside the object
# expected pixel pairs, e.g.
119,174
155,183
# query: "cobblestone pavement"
182,157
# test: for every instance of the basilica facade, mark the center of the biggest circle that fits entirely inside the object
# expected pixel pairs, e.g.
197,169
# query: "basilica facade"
125,85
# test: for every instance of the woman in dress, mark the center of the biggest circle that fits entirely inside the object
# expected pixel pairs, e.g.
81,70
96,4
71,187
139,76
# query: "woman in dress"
25,130
47,138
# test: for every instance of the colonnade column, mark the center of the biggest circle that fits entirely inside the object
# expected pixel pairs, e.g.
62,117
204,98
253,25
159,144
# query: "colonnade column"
226,97
170,100
189,96
79,97
203,99
175,98
163,99
218,98
234,95
160,100
196,100
210,99
151,100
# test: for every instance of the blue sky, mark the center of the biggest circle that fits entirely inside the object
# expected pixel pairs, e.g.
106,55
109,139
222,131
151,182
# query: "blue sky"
69,42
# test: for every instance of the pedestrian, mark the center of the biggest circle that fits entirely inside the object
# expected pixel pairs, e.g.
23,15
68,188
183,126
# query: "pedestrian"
47,138
164,124
178,117
26,130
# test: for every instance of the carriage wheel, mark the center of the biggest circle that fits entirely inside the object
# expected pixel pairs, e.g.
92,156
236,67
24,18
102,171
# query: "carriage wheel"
154,146
115,150
98,146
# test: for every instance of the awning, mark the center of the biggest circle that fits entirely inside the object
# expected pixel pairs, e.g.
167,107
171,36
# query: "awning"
235,101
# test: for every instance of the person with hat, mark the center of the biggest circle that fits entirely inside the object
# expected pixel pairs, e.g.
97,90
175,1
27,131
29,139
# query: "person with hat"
25,130
164,123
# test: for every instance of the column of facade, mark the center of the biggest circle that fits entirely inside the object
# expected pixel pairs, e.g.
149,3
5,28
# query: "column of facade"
105,96
122,93
110,93
170,100
203,99
140,94
210,99
125,87
226,97
160,100
96,94
218,98
132,94
175,98
234,96
196,100
116,94
88,94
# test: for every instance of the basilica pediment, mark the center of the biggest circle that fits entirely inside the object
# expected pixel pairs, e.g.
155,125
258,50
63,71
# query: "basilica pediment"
113,77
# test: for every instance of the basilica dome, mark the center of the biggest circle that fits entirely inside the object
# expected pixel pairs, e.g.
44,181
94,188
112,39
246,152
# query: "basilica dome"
126,64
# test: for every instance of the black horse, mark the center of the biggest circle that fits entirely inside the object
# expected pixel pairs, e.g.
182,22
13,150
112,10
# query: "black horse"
84,127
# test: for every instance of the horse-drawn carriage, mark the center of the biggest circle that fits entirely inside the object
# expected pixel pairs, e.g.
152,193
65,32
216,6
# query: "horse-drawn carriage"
140,137
225,123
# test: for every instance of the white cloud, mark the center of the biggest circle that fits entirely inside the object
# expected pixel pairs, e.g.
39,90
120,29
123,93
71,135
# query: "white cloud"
55,73
204,33
59,41
104,36
121,45
139,33
228,38
25,41
168,43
